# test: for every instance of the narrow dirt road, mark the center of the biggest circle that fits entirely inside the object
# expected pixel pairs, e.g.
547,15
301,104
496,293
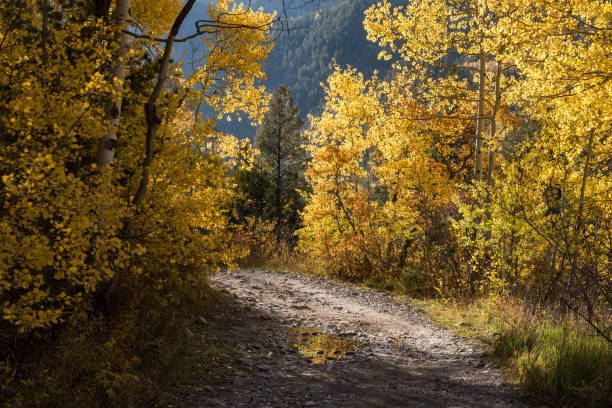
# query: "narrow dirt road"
300,341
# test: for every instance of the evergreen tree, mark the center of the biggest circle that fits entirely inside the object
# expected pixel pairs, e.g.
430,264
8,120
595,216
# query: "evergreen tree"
281,158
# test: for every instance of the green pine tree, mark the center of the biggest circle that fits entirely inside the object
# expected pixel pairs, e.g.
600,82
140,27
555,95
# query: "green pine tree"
282,158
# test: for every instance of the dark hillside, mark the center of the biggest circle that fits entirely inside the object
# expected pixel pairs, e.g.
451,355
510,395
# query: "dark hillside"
301,58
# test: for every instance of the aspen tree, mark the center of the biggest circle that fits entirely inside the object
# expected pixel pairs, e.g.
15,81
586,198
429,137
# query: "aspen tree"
563,56
108,143
378,178
447,49
225,86
59,69
152,119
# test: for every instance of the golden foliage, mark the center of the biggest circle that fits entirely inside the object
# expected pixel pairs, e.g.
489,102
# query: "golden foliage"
61,226
392,158
383,171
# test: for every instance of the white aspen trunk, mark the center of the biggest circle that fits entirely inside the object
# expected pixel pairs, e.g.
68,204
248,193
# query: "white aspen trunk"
493,128
106,146
480,118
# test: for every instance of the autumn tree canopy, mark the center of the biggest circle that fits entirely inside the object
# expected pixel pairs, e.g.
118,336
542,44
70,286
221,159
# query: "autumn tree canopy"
97,141
398,183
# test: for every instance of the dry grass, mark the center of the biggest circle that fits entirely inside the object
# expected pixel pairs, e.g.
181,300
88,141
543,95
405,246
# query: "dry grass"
552,357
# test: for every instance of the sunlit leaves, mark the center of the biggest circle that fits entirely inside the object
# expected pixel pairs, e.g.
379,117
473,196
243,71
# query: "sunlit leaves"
62,235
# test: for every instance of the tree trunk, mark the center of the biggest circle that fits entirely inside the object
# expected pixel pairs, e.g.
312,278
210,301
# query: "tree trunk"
493,128
101,8
480,118
585,175
106,146
44,8
150,108
199,108
278,180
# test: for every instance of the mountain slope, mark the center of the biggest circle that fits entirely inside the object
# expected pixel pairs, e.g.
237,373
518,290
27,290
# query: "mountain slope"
301,58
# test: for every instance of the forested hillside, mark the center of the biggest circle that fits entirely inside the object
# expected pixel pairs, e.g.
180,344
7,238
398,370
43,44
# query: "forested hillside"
302,57
291,8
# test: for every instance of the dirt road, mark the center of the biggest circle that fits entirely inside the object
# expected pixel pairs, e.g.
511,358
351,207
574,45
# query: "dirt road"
299,341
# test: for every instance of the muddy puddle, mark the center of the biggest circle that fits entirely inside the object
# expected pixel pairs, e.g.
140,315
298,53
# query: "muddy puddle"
318,346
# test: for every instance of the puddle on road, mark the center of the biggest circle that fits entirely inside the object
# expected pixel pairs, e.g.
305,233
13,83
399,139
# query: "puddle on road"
320,347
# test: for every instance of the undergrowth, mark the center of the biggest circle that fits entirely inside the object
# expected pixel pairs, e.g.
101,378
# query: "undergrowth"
141,355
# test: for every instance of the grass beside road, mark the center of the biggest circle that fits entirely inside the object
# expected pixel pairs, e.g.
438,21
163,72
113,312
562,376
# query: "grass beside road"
553,358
